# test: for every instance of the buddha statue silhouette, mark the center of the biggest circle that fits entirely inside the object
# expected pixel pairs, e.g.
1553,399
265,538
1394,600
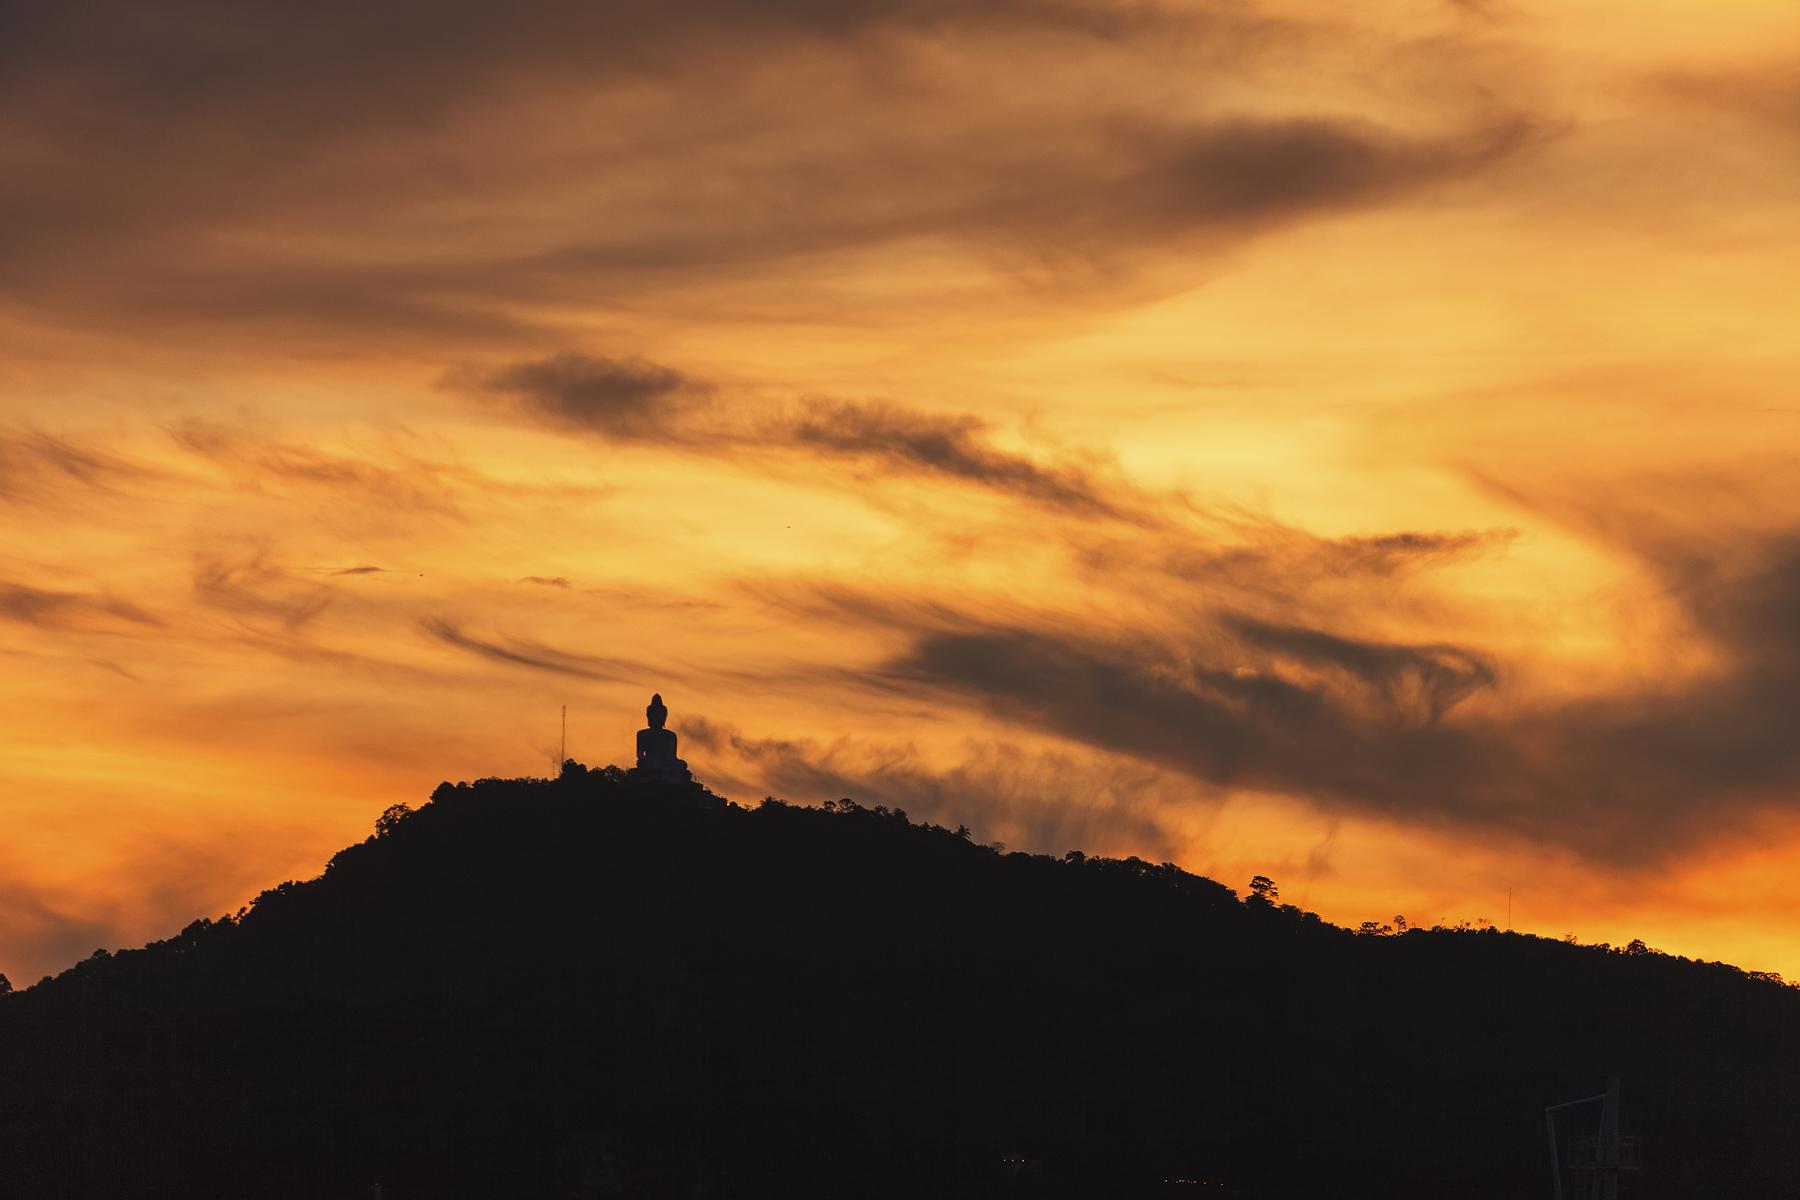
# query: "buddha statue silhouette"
656,761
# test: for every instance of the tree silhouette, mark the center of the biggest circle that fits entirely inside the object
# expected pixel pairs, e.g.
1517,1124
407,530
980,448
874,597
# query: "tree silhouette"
390,818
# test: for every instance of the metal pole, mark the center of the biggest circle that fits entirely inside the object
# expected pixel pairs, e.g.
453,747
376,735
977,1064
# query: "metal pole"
1555,1159
1609,1142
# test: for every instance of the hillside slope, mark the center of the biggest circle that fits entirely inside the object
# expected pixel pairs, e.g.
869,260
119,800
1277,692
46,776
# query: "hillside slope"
581,988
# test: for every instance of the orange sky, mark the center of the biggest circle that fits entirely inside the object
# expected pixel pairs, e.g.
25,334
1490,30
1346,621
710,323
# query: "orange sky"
1354,444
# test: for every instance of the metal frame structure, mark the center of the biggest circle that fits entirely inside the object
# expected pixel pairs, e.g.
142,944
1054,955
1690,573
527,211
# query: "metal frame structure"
1605,1155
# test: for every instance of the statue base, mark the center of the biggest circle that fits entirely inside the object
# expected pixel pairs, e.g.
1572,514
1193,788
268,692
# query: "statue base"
660,772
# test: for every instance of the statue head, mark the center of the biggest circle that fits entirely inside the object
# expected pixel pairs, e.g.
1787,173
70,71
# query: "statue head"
657,712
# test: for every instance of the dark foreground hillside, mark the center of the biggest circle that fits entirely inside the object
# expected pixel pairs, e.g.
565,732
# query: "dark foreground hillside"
575,988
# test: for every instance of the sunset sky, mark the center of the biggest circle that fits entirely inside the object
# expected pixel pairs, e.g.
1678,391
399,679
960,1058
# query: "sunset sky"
1349,443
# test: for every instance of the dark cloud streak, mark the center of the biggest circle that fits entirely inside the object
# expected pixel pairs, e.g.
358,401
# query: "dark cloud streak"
69,611
903,439
393,130
622,399
36,467
1244,173
1424,681
532,655
1630,776
632,400
1265,557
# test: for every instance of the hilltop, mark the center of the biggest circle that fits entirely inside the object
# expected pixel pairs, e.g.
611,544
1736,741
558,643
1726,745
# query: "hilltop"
590,987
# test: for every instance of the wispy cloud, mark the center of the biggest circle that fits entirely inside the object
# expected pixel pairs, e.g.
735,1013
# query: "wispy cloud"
337,238
253,587
1043,802
41,937
1385,728
36,467
256,460
1244,553
532,655
638,401
64,610
46,927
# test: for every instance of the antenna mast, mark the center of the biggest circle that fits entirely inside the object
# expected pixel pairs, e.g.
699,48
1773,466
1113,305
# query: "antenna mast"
562,755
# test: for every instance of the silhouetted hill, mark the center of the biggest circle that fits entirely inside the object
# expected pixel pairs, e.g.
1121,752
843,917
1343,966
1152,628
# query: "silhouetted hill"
584,988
